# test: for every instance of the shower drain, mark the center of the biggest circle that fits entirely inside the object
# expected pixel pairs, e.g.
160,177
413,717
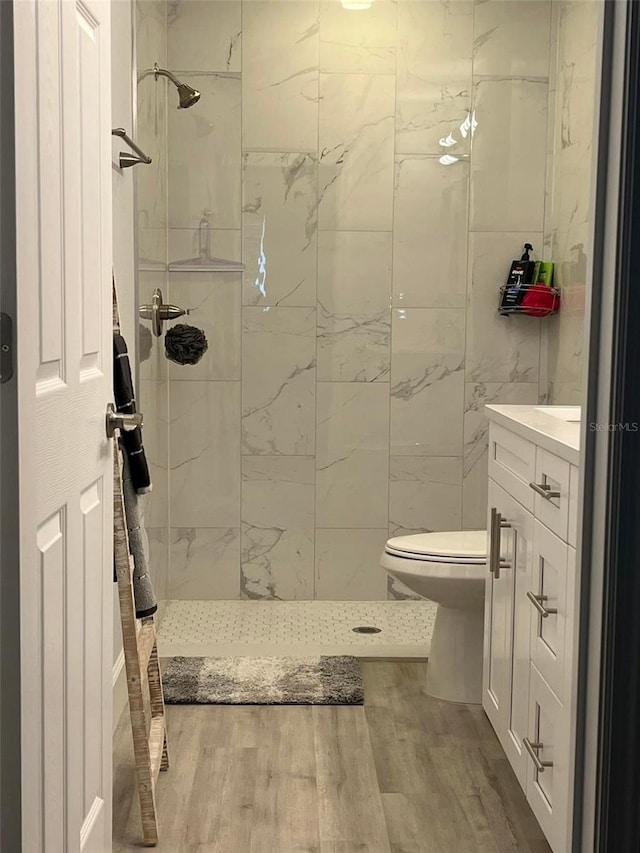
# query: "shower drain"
366,629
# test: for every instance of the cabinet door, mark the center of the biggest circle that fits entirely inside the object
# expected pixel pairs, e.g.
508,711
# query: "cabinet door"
507,627
548,755
547,598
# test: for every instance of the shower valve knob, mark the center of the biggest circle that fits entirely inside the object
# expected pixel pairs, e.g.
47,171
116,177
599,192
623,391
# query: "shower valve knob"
159,312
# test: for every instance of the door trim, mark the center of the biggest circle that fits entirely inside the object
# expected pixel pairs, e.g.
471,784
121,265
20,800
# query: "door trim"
10,781
607,770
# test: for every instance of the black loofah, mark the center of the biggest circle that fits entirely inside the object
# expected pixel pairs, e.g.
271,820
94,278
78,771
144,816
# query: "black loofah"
185,344
145,340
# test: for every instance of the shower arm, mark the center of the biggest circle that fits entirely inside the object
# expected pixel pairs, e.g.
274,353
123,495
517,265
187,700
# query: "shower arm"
159,72
162,72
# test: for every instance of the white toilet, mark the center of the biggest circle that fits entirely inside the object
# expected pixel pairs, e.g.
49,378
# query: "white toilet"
449,569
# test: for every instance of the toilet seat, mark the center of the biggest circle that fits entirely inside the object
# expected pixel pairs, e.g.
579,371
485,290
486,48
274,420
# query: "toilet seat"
468,547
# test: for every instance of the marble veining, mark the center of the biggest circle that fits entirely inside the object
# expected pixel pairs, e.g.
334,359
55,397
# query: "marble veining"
279,218
476,439
567,219
427,381
277,552
356,152
433,74
280,68
352,455
278,380
205,563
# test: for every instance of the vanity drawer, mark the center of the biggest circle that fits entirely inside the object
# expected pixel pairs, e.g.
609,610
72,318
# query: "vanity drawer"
512,463
547,598
551,492
548,771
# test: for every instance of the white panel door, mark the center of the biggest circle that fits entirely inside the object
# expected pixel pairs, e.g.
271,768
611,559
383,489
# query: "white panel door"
63,153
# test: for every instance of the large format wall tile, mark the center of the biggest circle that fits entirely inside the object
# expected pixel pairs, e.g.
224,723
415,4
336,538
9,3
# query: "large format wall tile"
425,494
511,39
348,565
434,75
430,233
280,75
476,439
278,380
204,155
280,223
352,456
151,129
277,527
508,159
158,566
213,300
427,381
499,349
205,563
568,211
356,152
204,436
204,36
365,42
354,322
153,403
150,349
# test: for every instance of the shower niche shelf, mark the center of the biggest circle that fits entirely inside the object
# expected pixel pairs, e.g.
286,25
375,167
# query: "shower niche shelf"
204,265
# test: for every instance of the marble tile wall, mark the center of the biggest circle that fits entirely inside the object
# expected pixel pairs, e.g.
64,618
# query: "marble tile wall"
341,397
572,99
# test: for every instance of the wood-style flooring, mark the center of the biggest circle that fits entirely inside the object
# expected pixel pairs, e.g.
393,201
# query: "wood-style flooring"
403,774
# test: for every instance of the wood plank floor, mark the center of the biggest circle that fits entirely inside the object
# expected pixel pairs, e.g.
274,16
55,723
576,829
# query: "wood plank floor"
403,774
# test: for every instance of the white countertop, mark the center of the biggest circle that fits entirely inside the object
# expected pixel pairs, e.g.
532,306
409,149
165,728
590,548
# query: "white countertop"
537,424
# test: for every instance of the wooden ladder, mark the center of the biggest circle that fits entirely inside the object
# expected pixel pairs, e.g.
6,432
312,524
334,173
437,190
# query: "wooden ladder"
141,663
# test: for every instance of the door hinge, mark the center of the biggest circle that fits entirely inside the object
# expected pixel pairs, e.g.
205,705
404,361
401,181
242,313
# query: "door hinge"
6,347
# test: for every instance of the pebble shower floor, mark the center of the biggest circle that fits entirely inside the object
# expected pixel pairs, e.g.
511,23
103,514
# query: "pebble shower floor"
299,628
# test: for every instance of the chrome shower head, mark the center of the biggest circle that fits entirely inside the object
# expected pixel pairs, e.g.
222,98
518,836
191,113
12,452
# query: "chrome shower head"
187,94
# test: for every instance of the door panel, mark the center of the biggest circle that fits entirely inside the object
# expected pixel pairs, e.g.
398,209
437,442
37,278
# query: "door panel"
549,583
63,190
548,790
507,628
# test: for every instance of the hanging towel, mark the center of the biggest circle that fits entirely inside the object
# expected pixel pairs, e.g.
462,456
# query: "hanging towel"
143,593
126,404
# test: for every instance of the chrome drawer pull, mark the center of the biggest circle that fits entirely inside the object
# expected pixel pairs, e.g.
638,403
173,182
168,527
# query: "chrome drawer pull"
496,525
532,749
544,490
537,601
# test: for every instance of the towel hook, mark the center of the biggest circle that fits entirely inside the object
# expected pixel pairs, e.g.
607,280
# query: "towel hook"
127,159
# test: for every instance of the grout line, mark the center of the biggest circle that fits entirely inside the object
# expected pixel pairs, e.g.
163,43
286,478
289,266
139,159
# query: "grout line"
315,388
392,278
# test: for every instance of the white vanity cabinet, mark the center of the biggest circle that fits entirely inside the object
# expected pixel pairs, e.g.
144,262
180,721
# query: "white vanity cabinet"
531,605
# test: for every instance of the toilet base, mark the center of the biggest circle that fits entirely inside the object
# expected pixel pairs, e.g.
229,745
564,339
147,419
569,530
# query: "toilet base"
454,672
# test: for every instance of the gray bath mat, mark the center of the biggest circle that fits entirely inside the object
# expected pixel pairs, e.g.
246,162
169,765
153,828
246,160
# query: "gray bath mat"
263,681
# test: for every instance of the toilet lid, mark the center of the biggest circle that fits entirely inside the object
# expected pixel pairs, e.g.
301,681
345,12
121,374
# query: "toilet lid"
459,546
